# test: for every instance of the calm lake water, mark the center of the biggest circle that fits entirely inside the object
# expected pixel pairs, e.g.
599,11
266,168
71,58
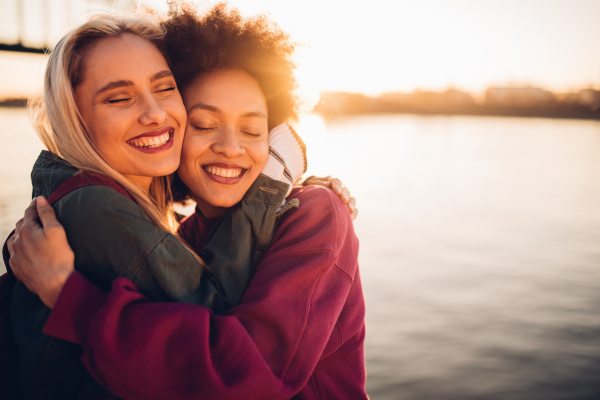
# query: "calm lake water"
479,248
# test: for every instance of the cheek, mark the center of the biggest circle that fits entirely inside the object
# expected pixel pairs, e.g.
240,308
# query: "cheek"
102,135
177,110
260,153
193,149
89,119
107,129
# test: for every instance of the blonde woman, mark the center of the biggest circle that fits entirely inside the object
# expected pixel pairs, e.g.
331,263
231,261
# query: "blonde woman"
303,315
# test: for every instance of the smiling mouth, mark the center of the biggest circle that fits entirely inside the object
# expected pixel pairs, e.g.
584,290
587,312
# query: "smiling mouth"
224,172
152,142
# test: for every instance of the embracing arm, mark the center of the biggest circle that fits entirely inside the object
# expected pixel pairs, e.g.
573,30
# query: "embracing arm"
267,347
338,187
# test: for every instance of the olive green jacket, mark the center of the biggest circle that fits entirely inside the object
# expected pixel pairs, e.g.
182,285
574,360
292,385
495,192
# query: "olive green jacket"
112,237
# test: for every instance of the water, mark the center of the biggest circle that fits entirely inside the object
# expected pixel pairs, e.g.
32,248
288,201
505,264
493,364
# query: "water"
479,248
19,148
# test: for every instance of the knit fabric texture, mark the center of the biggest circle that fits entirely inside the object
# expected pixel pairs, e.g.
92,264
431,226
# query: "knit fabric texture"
287,156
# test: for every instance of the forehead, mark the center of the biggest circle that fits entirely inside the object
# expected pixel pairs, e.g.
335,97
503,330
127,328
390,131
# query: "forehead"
126,57
228,89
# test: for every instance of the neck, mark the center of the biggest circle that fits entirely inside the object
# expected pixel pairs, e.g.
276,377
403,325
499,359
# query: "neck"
143,182
208,210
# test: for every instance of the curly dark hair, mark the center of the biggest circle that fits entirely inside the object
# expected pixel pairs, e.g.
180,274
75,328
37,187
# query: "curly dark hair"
222,38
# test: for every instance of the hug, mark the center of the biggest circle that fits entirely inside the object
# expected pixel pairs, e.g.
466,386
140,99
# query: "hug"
256,295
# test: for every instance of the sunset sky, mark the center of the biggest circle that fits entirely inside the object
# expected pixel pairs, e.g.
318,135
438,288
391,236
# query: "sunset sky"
380,46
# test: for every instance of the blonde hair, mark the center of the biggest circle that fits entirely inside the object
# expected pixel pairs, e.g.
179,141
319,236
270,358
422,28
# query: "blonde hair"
60,126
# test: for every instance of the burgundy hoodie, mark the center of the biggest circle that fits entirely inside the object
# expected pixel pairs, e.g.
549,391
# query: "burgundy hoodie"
299,330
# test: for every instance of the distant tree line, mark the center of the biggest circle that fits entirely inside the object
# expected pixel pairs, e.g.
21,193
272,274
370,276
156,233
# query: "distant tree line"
499,101
13,102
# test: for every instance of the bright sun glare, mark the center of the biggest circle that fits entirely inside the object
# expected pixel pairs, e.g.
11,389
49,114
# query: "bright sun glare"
313,132
385,46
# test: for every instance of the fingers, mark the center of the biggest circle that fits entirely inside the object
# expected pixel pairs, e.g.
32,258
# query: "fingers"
306,181
46,213
345,195
352,208
354,214
317,181
351,204
9,244
337,186
18,226
31,213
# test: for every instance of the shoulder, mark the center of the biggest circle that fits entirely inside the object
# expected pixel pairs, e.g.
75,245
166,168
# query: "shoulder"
99,218
95,200
112,236
322,223
322,209
317,202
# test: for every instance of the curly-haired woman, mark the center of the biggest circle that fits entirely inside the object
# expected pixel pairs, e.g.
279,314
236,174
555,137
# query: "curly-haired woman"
299,329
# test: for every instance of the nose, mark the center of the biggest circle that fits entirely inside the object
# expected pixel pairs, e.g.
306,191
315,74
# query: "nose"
152,113
227,143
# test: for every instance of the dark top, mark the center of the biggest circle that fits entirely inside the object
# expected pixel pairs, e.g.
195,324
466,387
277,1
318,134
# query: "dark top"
111,237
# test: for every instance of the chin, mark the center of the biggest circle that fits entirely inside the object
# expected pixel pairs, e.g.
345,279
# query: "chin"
225,203
166,168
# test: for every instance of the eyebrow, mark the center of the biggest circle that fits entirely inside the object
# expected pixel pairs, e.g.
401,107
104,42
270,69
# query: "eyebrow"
202,106
125,83
114,85
254,114
160,75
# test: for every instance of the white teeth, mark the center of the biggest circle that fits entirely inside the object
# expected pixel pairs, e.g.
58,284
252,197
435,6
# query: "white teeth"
224,172
152,142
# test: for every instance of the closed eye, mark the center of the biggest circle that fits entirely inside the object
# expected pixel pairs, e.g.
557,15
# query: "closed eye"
201,129
116,101
169,89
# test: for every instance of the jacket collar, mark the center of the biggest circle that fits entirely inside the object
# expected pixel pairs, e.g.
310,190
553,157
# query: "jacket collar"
49,172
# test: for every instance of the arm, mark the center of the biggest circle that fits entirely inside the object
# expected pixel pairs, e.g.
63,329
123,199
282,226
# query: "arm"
267,347
110,237
338,187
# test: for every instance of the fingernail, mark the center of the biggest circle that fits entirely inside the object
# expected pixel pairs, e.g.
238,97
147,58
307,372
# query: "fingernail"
41,201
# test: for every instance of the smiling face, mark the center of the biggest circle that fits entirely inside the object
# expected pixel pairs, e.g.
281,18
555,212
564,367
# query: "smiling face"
131,107
226,141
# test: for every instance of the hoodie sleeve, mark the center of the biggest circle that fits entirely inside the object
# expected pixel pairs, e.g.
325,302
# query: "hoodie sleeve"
266,348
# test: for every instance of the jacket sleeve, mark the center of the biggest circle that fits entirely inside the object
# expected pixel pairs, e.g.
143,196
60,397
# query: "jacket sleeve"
265,348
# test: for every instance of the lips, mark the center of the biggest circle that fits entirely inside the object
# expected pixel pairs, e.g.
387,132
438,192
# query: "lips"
228,174
153,141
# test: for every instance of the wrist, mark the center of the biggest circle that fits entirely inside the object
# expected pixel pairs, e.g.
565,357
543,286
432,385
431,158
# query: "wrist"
51,290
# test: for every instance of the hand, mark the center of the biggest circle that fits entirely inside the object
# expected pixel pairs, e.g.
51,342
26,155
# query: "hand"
338,188
40,255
